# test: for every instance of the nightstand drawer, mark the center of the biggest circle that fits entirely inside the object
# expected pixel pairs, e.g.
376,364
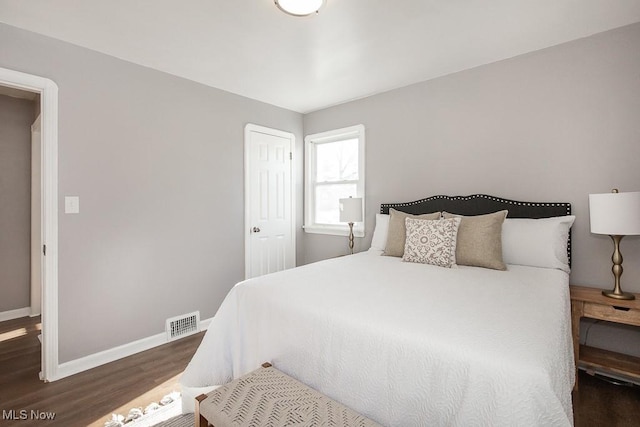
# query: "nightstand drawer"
589,302
612,314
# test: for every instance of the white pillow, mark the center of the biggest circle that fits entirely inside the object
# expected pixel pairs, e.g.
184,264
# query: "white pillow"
537,242
379,240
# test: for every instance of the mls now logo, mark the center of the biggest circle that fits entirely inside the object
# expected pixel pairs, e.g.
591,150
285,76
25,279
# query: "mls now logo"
24,414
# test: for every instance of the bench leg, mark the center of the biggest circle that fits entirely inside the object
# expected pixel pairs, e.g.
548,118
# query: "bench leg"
200,421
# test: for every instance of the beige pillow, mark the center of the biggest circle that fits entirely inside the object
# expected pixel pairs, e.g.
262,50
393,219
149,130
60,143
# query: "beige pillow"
480,240
431,241
397,234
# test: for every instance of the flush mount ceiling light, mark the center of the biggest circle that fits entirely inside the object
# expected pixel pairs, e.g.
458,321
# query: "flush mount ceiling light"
299,7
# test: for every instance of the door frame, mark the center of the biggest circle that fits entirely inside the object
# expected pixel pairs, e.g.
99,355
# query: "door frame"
250,127
35,285
48,91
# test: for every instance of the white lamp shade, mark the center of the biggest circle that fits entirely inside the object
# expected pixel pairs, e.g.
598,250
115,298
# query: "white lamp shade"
299,7
351,209
615,214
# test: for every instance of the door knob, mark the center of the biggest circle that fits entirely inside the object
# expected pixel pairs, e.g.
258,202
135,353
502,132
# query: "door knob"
256,230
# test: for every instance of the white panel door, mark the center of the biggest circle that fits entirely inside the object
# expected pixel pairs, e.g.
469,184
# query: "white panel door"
269,219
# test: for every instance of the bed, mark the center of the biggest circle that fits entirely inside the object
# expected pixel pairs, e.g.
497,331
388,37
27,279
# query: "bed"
413,344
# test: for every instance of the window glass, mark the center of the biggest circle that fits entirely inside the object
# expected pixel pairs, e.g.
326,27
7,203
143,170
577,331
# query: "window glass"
337,161
334,170
327,206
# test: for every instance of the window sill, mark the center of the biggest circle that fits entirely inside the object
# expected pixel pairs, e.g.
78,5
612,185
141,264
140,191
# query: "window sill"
334,231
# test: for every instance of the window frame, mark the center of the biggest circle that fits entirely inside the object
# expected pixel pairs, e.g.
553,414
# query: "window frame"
311,141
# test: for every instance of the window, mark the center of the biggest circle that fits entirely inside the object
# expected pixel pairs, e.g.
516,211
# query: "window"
334,169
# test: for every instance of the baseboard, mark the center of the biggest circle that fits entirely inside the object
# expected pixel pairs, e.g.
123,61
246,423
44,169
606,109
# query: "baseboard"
204,324
111,355
15,314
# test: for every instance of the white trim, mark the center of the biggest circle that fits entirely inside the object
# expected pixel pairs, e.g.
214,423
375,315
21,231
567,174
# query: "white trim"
36,257
111,355
334,230
107,356
48,91
15,314
356,131
204,324
250,127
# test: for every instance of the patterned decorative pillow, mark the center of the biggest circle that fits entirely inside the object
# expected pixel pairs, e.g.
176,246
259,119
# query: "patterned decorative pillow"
431,241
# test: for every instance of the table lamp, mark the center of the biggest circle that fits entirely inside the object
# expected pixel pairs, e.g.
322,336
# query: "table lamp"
618,215
351,211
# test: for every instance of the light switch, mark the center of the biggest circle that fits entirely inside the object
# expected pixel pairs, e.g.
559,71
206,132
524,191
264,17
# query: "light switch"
71,204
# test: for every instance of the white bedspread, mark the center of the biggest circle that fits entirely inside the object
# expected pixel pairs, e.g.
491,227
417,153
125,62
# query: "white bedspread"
404,344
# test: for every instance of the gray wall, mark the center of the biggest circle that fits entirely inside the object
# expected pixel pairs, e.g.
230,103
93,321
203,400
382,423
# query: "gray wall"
553,125
158,164
16,117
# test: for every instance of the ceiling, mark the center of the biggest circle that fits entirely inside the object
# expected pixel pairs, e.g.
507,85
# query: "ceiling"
351,49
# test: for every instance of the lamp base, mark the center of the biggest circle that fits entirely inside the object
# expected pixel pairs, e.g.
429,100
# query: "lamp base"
616,292
351,237
619,295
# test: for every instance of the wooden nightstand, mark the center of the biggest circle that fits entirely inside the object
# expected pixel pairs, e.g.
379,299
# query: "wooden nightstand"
589,302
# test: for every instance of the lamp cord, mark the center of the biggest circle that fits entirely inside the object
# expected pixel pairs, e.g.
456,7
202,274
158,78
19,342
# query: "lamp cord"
586,332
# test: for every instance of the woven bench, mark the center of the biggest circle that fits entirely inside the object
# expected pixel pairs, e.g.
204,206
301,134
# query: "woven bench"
268,397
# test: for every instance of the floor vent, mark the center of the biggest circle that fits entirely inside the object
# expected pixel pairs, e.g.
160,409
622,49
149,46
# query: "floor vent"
182,326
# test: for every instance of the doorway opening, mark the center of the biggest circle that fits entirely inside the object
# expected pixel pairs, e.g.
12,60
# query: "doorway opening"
18,189
48,169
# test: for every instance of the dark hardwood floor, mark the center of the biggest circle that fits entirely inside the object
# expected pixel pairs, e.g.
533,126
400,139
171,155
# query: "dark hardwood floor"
89,398
598,403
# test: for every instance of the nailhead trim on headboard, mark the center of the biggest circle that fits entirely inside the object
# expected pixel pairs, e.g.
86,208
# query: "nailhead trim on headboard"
478,204
475,196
